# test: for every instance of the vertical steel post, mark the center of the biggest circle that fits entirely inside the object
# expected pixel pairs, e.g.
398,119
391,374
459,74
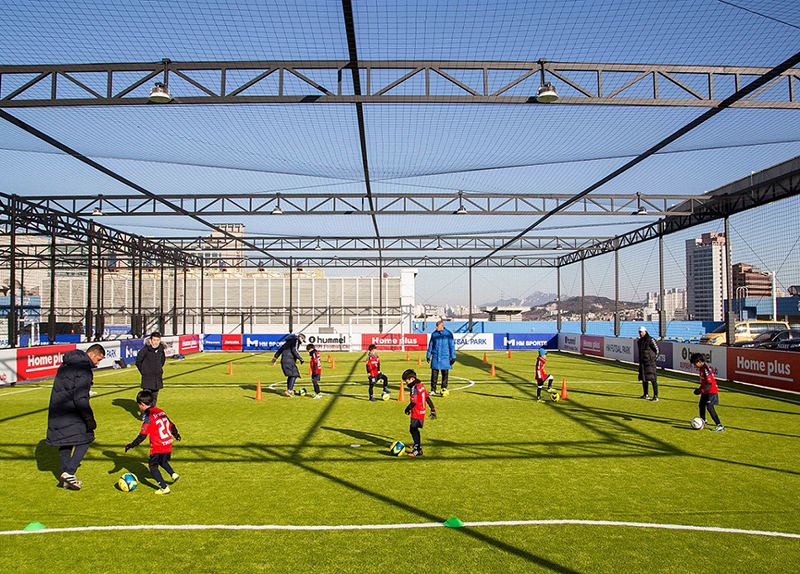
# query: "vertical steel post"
558,299
88,321
12,280
134,328
139,316
583,299
51,319
616,288
729,318
291,319
99,322
380,294
184,299
202,301
662,313
162,323
175,298
470,294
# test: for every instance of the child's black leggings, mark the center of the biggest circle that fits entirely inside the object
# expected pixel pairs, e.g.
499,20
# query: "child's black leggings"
711,410
162,460
290,383
374,380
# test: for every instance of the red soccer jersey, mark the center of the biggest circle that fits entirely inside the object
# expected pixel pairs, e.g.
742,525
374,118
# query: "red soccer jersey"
707,378
156,425
540,374
316,362
419,396
373,365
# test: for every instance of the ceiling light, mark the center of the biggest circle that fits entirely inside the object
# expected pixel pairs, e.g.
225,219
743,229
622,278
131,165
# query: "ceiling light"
640,209
547,92
439,244
277,209
97,212
461,209
159,94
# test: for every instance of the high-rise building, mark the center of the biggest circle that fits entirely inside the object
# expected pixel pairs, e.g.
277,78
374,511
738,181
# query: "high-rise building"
674,305
706,277
749,281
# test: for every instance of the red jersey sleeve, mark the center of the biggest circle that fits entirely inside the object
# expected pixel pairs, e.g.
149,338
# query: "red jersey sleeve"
419,396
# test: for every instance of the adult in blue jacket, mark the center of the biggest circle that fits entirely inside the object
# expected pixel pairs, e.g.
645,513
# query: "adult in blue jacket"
441,355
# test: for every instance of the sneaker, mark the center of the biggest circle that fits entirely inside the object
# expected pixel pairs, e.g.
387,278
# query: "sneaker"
719,428
655,399
540,400
645,397
549,389
288,392
175,477
164,490
318,396
69,482
432,393
416,452
373,400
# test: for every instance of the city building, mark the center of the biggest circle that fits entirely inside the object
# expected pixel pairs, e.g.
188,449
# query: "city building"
706,278
674,305
749,281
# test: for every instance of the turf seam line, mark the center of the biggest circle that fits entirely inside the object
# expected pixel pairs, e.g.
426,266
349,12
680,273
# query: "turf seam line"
289,527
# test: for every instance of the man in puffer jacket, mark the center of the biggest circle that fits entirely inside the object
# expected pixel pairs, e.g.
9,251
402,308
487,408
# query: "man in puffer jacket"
441,355
70,420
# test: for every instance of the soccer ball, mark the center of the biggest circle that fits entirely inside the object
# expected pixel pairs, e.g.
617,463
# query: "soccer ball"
697,423
127,482
397,448
302,392
445,393
554,396
386,395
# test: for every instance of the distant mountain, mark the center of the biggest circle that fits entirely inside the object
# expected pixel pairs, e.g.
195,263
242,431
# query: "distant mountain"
532,300
597,306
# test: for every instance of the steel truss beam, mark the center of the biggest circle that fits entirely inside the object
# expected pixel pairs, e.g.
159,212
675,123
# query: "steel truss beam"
773,184
41,220
408,81
422,203
413,261
338,244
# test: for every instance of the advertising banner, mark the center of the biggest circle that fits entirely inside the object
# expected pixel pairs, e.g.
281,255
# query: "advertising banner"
776,369
262,342
231,342
170,346
188,344
395,341
329,342
472,341
8,366
665,353
715,358
39,362
620,349
522,341
212,342
592,345
569,342
113,352
130,348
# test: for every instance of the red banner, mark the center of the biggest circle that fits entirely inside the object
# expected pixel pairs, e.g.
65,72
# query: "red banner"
40,362
395,341
190,344
775,369
231,342
592,345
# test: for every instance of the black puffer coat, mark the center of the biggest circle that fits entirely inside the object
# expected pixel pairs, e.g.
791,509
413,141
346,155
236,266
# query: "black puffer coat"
70,411
289,354
648,355
150,362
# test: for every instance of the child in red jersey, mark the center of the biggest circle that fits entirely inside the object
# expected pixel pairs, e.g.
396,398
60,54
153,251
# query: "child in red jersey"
160,429
374,372
708,391
416,408
316,368
541,376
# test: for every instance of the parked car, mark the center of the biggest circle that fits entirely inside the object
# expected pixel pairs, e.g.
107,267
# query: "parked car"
743,331
770,339
789,345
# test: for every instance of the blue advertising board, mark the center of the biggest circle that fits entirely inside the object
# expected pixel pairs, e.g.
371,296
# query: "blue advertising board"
130,348
262,342
212,342
523,341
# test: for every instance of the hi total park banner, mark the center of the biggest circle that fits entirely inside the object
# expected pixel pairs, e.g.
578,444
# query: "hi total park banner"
772,369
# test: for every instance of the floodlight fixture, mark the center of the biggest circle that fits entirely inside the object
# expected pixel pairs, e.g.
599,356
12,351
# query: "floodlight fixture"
277,209
461,209
97,212
547,92
317,248
159,94
439,244
640,209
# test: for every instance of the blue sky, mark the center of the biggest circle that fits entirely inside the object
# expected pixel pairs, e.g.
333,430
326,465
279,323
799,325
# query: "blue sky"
479,148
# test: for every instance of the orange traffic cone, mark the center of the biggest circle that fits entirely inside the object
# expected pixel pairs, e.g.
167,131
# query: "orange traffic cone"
419,359
258,391
509,353
492,373
408,356
333,363
230,368
329,357
402,396
564,389
484,358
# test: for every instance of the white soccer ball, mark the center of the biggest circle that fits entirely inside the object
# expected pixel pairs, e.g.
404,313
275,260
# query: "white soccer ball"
697,423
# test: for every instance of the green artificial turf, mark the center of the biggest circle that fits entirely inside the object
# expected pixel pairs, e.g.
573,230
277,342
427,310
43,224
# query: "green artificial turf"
494,454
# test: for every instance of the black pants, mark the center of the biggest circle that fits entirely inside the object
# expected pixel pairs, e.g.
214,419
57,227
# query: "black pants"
160,459
435,378
315,380
70,457
655,387
290,383
707,402
416,425
373,380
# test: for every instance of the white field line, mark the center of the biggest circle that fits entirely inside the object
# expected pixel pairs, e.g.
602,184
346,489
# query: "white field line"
404,526
22,391
272,386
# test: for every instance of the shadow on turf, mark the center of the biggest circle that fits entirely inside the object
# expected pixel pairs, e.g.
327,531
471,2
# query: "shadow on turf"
47,459
129,405
126,463
376,439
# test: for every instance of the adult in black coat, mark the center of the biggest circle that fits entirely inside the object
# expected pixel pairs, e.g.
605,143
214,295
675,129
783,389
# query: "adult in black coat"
289,353
150,361
648,355
70,420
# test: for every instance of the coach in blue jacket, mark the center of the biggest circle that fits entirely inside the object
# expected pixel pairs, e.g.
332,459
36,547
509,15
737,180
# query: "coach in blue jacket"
441,355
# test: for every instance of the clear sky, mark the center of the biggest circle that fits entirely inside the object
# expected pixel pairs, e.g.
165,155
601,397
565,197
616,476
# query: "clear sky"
475,148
